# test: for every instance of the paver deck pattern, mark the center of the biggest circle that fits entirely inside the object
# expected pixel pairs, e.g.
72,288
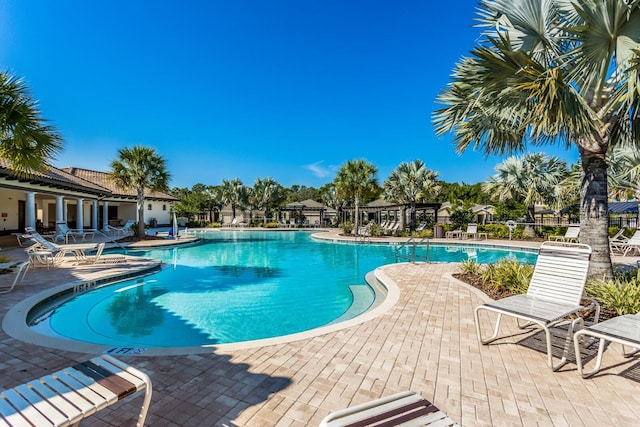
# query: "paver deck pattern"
426,343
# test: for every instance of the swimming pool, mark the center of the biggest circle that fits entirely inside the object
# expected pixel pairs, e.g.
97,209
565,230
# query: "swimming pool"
237,286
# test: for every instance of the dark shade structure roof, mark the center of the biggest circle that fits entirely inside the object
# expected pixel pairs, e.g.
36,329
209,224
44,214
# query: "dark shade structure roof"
623,207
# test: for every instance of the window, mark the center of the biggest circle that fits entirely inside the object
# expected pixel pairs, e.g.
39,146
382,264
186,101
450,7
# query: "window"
164,207
149,207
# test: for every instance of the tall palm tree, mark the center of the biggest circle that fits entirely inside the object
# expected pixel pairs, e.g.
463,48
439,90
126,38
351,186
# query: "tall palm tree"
532,178
25,140
140,168
234,193
411,183
552,72
263,191
354,180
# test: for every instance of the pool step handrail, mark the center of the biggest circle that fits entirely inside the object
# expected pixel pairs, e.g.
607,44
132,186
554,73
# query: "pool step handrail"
413,244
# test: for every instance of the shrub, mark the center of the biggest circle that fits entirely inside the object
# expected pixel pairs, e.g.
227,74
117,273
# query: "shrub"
4,259
616,294
347,227
508,276
214,225
423,234
497,231
470,266
272,224
519,234
375,229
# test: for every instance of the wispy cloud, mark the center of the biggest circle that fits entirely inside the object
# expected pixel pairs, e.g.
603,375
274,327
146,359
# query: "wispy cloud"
319,170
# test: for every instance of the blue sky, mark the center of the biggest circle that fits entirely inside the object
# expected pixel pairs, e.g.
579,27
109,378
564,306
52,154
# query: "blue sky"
249,88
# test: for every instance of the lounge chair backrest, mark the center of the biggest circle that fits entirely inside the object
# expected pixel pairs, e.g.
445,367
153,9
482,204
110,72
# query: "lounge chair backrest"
44,242
560,272
572,232
635,239
472,228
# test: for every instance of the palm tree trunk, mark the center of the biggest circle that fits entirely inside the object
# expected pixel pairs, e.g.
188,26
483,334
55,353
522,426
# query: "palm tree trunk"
594,212
140,206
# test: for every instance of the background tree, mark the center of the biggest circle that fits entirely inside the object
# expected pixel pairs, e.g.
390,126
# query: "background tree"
26,141
411,183
355,180
552,71
140,168
234,193
532,178
624,173
263,191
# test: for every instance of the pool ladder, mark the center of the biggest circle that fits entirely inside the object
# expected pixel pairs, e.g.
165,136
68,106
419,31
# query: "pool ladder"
411,248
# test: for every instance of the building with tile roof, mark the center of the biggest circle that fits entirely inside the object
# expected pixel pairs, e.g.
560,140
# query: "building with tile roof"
80,197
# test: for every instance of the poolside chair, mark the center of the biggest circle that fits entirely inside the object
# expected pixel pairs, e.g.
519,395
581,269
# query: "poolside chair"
555,292
624,330
67,396
472,231
453,234
64,230
23,267
406,408
625,247
99,258
571,235
121,231
58,252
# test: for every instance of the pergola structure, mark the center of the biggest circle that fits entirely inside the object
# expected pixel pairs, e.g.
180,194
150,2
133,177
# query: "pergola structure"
312,211
380,209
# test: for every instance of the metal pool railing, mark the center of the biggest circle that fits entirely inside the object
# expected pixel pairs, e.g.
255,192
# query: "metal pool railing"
410,247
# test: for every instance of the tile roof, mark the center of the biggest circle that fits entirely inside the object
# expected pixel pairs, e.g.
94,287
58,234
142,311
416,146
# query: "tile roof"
103,180
54,177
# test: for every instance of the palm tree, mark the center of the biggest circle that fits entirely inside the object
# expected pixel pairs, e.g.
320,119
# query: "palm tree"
263,191
25,140
411,183
552,72
140,168
234,193
624,173
354,180
532,178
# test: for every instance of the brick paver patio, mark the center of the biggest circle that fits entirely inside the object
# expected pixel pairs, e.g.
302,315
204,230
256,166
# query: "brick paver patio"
426,343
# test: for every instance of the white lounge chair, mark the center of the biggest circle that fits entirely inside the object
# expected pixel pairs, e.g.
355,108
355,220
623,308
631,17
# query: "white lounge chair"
22,269
626,246
406,408
624,330
64,230
555,292
58,252
571,235
99,258
121,231
67,396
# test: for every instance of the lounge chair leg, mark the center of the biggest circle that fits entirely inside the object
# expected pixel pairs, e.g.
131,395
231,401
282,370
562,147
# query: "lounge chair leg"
567,344
631,352
495,332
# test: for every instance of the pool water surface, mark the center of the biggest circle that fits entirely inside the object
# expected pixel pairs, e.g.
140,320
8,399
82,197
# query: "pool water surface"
237,286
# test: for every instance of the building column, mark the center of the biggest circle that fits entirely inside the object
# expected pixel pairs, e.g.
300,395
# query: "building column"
31,209
79,214
60,209
105,215
65,211
94,215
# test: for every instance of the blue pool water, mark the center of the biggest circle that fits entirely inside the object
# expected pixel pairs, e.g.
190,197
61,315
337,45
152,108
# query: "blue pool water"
238,286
